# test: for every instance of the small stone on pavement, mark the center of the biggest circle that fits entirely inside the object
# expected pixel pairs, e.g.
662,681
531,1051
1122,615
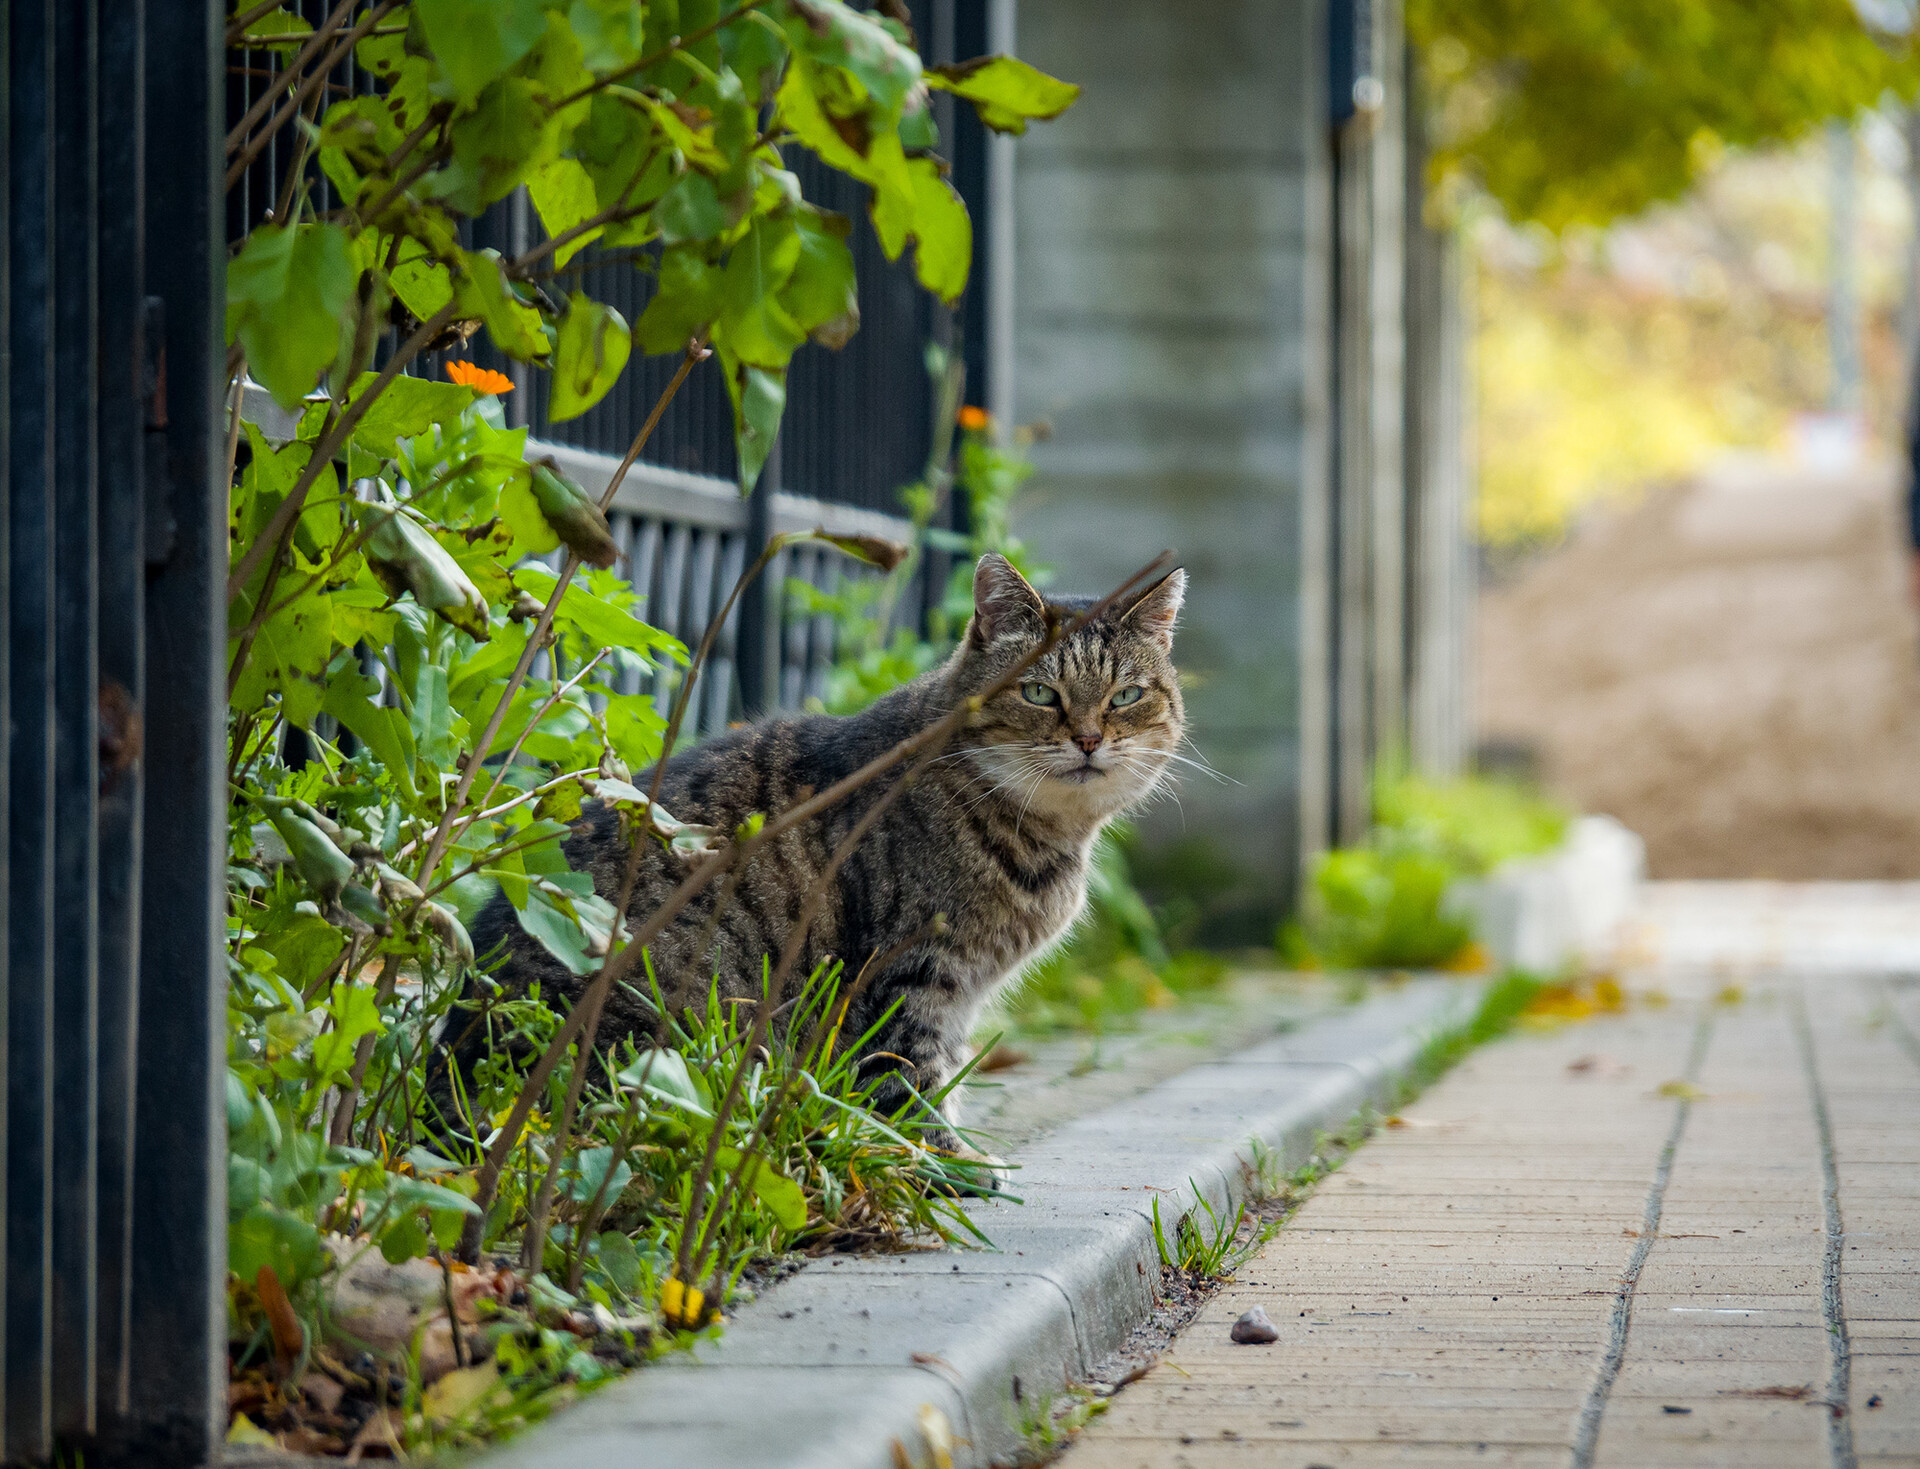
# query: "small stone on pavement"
1254,1329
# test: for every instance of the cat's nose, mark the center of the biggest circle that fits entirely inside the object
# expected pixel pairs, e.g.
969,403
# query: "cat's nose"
1087,742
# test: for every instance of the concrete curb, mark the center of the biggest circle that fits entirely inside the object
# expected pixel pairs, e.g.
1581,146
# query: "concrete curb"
834,1366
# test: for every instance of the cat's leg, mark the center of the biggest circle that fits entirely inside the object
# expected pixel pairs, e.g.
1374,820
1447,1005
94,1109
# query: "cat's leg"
924,1043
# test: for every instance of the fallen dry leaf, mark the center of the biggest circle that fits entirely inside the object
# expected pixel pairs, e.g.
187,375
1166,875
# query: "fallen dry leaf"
939,1435
244,1430
288,1338
1791,1394
1684,1091
1002,1058
381,1432
457,1391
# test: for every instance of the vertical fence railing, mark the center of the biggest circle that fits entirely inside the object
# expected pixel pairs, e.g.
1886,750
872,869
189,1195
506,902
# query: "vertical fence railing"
859,421
112,635
112,536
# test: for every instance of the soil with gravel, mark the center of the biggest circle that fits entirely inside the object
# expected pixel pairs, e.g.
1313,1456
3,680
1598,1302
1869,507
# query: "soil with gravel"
1731,668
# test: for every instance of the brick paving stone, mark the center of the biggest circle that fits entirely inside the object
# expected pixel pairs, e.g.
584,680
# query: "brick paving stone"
1452,1295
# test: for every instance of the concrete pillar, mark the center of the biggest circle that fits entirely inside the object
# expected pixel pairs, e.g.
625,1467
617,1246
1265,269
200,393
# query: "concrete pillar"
1171,326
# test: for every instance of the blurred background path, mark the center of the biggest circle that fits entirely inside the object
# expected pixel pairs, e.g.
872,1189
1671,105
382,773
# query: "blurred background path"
1683,1233
1730,668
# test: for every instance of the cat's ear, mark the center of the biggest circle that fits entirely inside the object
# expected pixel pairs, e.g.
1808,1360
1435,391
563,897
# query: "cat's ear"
1003,603
1158,608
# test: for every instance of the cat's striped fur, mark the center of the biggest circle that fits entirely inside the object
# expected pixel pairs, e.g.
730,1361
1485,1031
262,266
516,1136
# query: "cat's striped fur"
994,834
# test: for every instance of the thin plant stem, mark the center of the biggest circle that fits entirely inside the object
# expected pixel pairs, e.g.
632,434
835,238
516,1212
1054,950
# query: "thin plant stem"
329,445
472,765
322,34
257,144
342,1127
237,27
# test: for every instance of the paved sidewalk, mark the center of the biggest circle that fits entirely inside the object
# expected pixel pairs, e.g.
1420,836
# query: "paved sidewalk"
1686,1235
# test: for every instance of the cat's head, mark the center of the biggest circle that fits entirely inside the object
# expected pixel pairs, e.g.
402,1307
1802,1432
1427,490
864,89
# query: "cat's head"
1094,724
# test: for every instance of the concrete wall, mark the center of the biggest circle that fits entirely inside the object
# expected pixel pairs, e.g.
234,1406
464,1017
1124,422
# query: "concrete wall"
1170,320
1225,304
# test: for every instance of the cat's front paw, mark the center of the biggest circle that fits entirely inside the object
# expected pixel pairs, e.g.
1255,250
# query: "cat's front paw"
964,1169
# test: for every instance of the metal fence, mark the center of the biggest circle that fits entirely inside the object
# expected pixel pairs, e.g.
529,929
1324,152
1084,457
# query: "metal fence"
858,425
112,696
111,630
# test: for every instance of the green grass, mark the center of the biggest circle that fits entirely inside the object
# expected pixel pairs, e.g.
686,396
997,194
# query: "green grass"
1212,1248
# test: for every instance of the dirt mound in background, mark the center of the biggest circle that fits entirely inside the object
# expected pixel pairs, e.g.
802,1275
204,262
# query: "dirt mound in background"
1730,668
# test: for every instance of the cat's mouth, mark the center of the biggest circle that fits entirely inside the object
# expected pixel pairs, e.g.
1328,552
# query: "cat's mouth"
1081,774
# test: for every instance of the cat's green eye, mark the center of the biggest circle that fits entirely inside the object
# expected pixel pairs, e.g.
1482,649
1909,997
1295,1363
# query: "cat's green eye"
1131,694
1039,693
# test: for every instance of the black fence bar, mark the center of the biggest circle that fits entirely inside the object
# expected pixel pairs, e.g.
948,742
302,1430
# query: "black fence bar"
76,780
112,509
177,1409
29,654
122,387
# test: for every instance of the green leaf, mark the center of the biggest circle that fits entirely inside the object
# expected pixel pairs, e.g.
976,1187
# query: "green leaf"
836,35
408,559
664,1075
478,40
560,932
591,1171
385,732
279,31
610,32
268,1236
532,535
619,1261
780,1194
564,197
432,718
588,358
495,146
600,622
406,407
821,294
690,210
575,515
943,235
635,728
289,656
753,326
617,140
303,947
405,1239
483,292
1005,90
685,305
287,291
759,399
355,1014
422,283
800,109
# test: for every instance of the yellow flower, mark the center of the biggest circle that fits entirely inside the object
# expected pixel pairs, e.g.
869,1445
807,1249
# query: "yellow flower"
681,1304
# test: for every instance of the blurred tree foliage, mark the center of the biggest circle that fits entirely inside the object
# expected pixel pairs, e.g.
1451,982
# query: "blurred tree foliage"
1573,112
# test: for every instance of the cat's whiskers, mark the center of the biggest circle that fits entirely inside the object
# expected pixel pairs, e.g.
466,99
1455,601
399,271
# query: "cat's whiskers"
1199,765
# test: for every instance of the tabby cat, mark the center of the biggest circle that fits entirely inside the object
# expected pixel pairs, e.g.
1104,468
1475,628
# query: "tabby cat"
993,834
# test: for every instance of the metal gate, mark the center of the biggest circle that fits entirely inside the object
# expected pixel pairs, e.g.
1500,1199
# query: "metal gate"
112,522
112,633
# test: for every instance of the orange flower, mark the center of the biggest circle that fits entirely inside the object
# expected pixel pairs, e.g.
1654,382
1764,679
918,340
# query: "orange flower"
974,420
480,379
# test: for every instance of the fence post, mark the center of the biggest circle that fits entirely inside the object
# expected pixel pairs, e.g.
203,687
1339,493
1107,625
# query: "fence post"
177,1353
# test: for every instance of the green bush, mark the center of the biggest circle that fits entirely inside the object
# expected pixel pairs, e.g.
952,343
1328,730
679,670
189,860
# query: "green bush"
1383,905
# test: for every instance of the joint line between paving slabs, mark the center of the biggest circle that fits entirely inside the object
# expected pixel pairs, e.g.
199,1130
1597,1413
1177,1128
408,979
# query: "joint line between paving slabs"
1840,1367
1902,1032
1586,1436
